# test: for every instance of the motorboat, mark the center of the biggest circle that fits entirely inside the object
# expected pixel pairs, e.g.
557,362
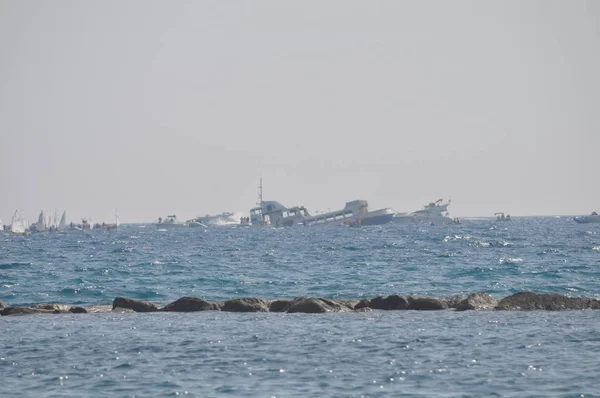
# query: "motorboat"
169,222
195,223
433,212
354,213
273,213
592,218
501,217
225,218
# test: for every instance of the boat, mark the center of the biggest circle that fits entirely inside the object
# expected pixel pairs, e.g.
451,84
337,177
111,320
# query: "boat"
195,223
592,218
354,213
273,213
225,218
433,212
169,222
62,225
112,226
501,217
19,226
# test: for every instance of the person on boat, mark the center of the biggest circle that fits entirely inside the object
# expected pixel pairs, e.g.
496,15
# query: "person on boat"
159,220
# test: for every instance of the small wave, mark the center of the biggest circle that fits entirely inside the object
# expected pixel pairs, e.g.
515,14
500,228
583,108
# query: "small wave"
456,238
14,265
508,260
596,248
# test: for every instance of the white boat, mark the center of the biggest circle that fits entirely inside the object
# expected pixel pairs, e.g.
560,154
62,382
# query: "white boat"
19,226
433,212
592,218
112,226
62,225
275,214
1,226
225,218
355,213
169,222
501,217
195,223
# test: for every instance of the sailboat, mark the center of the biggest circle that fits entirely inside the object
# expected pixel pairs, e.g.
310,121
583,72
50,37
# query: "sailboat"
115,225
62,225
41,224
18,226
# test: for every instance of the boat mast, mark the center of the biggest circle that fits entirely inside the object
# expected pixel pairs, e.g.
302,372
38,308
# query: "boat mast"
260,202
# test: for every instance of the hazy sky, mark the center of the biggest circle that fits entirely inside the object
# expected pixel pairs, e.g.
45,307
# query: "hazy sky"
161,107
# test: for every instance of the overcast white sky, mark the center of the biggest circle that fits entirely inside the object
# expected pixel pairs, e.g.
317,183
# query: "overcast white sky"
160,107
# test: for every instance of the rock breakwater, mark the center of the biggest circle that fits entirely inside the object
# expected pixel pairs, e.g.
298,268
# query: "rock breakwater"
523,301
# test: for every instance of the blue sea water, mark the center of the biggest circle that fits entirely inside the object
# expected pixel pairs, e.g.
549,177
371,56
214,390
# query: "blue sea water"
374,354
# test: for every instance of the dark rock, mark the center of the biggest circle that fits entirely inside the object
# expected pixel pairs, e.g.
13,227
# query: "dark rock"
528,301
189,304
55,308
246,304
24,311
477,301
311,305
454,301
393,302
136,305
427,304
280,305
78,310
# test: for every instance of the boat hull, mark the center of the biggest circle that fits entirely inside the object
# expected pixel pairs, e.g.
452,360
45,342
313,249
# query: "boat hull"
587,219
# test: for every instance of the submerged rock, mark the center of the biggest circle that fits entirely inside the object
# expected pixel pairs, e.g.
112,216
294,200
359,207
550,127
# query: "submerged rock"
57,308
3,305
135,305
189,304
246,304
477,301
78,310
528,301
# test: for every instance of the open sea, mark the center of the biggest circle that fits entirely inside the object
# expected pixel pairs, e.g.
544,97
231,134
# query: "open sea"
354,354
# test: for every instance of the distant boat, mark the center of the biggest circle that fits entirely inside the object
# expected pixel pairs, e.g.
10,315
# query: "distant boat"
433,212
169,222
592,218
18,226
115,225
501,217
62,225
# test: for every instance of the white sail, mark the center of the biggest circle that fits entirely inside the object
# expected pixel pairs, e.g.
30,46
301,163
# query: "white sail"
117,223
18,224
62,226
41,223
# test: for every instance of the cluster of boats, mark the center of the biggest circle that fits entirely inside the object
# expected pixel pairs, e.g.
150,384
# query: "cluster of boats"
49,223
354,213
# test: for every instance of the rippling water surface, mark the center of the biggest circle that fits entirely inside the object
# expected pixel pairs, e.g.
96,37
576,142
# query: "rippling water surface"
398,353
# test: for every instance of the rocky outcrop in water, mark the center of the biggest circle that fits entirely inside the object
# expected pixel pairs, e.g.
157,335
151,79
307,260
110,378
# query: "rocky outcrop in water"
523,301
528,301
135,305
189,304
